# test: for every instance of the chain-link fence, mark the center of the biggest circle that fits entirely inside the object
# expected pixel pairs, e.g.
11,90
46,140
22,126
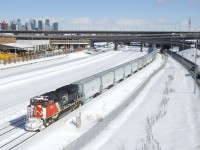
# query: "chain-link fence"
103,122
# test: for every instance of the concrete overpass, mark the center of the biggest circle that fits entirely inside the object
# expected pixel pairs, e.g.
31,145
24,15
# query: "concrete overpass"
156,37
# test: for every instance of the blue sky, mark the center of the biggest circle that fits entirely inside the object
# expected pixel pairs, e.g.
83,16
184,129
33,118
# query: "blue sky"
107,14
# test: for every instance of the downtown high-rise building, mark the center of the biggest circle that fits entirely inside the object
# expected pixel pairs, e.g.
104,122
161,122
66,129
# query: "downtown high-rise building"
19,24
55,26
13,25
40,25
32,23
4,25
47,23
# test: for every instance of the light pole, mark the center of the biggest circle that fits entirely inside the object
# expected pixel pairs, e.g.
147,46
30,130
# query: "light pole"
15,52
171,46
195,65
171,42
182,50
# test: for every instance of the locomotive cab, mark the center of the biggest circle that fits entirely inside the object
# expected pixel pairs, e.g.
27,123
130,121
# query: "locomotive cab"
41,108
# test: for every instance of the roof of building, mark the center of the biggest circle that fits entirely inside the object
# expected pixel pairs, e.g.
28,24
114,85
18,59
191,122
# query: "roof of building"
15,45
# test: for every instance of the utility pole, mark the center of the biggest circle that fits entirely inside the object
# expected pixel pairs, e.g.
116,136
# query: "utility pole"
182,50
171,46
195,60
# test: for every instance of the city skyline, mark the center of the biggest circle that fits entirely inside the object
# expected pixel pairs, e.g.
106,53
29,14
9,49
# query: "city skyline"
31,24
108,15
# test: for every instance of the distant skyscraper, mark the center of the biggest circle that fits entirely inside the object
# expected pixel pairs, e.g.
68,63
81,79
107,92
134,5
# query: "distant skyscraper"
47,23
4,25
55,26
40,25
32,23
23,28
13,25
19,25
28,26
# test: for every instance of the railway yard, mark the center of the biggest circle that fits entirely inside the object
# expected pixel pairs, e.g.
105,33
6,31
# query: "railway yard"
101,111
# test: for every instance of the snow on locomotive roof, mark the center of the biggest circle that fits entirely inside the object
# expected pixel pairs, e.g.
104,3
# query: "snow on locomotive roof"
40,98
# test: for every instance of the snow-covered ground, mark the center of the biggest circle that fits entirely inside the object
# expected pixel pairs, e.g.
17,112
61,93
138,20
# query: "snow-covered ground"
19,84
190,55
62,132
166,114
69,56
166,111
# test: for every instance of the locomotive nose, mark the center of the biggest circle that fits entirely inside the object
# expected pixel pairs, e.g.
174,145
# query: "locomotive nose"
33,124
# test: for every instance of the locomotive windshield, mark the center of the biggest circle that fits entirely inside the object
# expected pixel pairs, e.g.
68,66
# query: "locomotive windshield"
39,101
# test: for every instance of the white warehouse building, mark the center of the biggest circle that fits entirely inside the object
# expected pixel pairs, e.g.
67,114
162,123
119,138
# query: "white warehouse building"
38,44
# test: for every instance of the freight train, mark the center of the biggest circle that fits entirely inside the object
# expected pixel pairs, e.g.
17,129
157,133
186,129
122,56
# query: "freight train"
49,107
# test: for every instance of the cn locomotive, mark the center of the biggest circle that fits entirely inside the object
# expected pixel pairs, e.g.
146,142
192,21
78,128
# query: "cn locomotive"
49,107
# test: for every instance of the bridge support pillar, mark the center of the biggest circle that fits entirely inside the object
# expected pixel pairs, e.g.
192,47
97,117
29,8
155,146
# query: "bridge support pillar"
91,45
71,48
115,46
141,46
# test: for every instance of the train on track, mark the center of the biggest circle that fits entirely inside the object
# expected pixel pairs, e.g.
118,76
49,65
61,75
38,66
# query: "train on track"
49,107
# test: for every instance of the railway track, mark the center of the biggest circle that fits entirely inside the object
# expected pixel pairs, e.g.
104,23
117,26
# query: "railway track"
12,126
187,64
14,141
13,134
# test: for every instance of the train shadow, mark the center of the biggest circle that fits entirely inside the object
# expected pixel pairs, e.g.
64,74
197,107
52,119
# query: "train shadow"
18,122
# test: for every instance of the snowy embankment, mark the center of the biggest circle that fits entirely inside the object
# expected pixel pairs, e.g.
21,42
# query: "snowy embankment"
190,55
63,132
69,56
166,115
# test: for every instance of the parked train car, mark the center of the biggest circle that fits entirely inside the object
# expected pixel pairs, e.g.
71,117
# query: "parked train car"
47,108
